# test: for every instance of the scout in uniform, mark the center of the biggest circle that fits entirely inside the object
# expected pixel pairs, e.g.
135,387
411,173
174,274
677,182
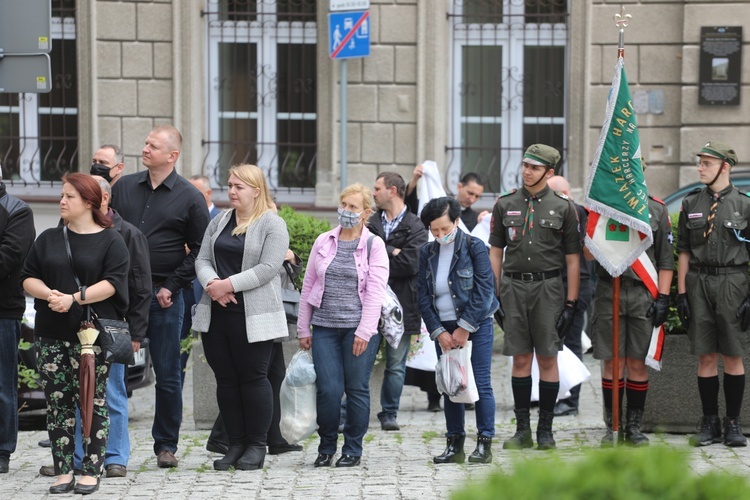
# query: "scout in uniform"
532,224
639,315
712,285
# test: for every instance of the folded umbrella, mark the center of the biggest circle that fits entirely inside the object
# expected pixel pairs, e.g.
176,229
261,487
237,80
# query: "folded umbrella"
86,375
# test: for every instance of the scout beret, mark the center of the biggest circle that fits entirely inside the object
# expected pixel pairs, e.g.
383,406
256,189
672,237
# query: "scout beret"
719,150
541,154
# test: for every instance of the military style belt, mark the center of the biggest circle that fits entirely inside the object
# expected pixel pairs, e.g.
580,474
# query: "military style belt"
625,282
534,276
715,271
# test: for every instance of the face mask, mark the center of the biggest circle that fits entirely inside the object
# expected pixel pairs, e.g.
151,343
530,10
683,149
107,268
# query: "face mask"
348,219
448,238
101,171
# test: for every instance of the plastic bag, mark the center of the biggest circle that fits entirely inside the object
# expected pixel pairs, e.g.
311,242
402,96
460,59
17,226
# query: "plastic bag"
297,399
455,377
301,370
422,355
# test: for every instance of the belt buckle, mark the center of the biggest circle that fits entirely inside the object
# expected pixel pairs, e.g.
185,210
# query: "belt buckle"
527,276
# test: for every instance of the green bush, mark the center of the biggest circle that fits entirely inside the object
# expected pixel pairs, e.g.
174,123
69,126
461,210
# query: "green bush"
656,472
27,376
673,326
303,230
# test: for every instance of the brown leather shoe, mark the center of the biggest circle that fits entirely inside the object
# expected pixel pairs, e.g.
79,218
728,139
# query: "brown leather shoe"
116,470
166,460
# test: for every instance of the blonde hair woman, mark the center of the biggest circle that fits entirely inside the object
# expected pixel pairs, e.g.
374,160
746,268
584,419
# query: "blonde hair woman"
241,312
339,310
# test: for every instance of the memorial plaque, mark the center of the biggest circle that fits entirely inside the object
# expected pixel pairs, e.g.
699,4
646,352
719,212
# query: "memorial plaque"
720,65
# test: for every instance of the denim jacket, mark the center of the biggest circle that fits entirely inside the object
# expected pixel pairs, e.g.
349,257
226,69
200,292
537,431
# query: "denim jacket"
470,279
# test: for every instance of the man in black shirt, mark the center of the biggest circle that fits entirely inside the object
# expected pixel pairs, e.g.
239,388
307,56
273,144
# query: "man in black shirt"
171,213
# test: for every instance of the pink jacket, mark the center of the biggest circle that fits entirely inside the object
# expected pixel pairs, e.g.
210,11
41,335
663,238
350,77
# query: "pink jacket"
373,278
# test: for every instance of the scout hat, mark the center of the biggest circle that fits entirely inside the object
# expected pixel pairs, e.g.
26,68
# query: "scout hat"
719,150
541,154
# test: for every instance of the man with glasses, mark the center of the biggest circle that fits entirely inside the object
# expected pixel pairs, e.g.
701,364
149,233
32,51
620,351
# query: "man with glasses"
712,283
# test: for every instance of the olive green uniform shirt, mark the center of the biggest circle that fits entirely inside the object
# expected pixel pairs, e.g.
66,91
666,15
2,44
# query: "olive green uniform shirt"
722,248
533,243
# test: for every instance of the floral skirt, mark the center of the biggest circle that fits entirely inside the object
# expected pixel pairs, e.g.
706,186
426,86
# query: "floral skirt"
57,363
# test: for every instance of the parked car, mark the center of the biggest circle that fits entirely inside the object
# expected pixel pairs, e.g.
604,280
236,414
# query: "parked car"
31,400
741,180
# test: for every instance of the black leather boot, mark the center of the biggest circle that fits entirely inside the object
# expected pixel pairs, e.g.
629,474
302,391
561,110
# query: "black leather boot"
609,436
234,453
454,451
252,459
544,439
483,452
633,434
522,437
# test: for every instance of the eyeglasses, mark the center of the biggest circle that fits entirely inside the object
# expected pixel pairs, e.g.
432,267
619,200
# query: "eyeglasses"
708,164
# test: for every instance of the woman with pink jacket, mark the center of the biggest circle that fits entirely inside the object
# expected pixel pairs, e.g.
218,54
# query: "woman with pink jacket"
339,310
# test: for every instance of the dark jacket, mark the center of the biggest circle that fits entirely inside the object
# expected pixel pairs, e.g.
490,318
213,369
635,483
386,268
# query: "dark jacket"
16,237
409,236
470,279
139,276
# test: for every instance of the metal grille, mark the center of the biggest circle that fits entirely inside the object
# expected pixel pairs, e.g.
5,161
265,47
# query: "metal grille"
261,98
39,132
508,86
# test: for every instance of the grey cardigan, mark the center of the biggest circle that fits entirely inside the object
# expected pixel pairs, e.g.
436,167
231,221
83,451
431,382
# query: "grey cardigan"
266,243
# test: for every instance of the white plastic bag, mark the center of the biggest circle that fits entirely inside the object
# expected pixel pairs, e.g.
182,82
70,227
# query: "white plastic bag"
571,369
455,377
424,357
297,399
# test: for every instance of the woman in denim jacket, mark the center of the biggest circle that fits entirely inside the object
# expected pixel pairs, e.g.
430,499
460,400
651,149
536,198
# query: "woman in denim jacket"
339,310
457,300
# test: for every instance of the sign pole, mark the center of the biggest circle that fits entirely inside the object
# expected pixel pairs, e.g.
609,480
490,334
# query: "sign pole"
343,122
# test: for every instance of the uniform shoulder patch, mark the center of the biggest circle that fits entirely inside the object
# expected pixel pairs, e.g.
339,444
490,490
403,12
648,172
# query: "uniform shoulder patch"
562,195
657,200
507,193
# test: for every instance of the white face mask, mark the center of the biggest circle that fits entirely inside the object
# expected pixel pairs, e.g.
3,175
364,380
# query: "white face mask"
348,219
448,238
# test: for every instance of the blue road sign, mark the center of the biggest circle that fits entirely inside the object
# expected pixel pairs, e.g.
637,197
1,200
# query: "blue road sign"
349,34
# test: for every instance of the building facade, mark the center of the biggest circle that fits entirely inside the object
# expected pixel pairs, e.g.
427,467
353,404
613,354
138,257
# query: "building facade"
467,83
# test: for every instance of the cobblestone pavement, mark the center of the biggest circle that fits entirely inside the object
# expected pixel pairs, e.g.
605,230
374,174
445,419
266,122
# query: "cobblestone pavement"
394,464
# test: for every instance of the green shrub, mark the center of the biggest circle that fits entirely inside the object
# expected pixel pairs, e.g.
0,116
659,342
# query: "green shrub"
673,326
27,376
303,230
656,472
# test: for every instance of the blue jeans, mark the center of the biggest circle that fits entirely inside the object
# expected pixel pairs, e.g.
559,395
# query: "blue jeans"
164,328
10,335
393,378
339,371
481,364
118,443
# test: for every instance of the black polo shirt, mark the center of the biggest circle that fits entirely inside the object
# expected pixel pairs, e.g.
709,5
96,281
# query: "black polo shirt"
171,216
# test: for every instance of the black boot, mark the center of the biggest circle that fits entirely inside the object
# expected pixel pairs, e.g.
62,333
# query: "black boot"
218,441
483,452
608,438
252,459
733,432
522,437
633,434
544,439
709,431
234,453
454,451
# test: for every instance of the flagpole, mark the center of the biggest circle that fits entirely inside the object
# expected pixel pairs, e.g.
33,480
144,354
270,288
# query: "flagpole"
621,22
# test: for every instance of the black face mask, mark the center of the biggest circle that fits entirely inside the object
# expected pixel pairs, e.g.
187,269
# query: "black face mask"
101,171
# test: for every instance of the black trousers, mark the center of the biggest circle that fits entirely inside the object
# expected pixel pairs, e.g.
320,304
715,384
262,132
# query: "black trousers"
276,374
243,392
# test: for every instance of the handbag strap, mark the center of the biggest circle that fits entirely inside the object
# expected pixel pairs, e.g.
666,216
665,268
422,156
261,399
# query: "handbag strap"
81,288
288,269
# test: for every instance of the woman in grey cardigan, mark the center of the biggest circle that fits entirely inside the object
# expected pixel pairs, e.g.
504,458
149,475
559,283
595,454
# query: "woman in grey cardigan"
241,311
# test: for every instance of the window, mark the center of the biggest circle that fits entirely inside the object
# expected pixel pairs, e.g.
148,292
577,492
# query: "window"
508,85
39,132
262,92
